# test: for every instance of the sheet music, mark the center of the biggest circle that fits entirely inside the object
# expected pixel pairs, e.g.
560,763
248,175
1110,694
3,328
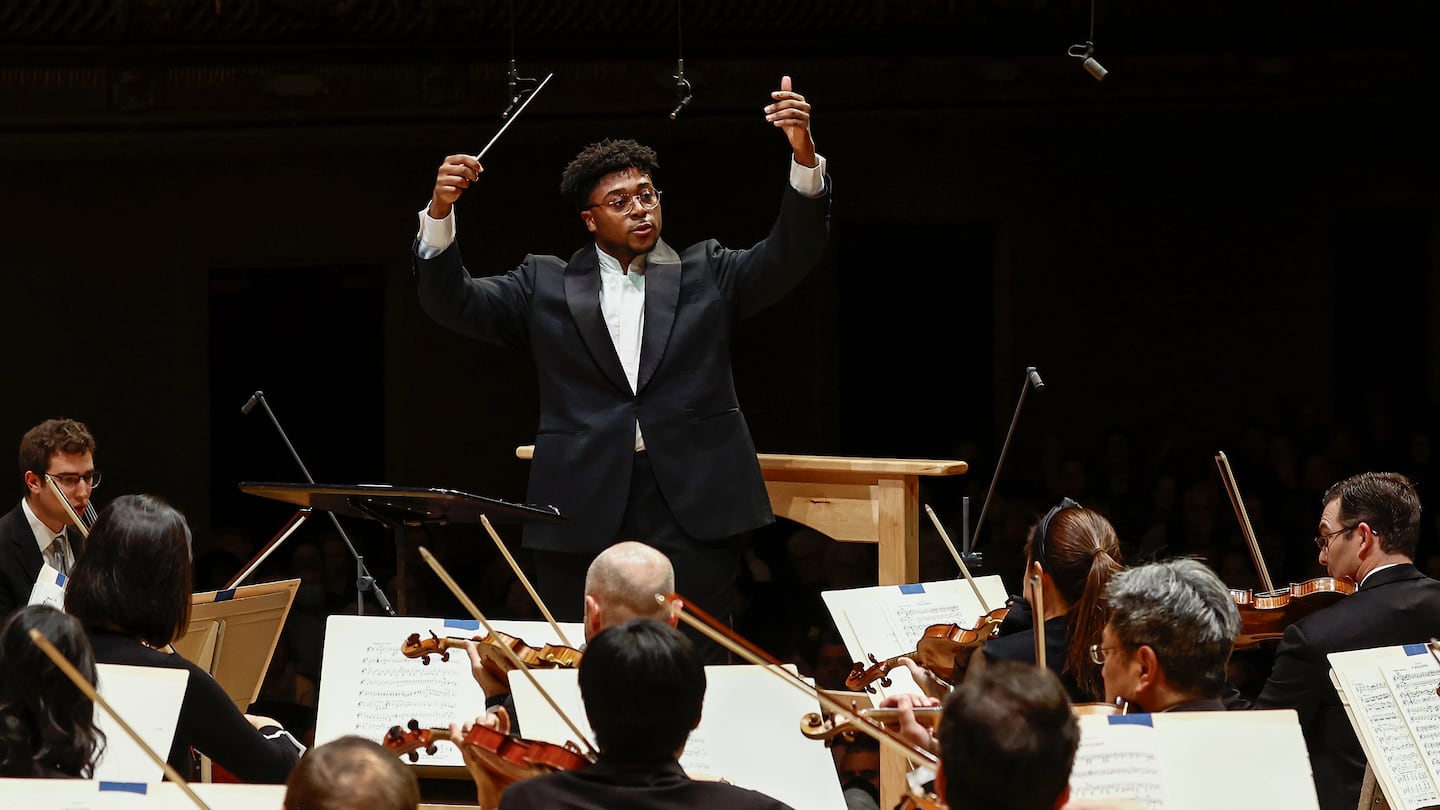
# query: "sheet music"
49,588
888,620
1413,687
149,699
743,705
1384,726
369,686
78,794
1118,762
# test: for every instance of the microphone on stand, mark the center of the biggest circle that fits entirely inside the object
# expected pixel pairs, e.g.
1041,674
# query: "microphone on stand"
1032,380
682,89
250,405
1035,381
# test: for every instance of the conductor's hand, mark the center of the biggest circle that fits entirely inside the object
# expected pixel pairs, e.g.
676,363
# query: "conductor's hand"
791,112
489,684
455,175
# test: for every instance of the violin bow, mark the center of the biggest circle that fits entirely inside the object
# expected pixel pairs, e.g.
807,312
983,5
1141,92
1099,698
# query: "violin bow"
1227,477
711,629
514,659
960,561
58,658
1039,592
524,580
65,502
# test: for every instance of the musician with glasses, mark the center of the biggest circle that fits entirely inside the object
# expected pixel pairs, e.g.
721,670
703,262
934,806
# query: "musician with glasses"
640,432
37,531
1167,644
1369,529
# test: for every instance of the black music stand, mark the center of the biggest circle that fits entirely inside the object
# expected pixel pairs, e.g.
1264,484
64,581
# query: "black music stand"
393,507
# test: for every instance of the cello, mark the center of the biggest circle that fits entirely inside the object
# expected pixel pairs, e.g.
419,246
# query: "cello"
1265,615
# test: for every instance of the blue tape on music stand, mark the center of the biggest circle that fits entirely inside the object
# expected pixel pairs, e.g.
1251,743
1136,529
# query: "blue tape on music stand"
913,588
1415,649
123,787
463,624
61,579
1130,720
225,595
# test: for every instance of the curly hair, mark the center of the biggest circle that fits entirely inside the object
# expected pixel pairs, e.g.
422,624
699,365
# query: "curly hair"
599,159
50,437
47,726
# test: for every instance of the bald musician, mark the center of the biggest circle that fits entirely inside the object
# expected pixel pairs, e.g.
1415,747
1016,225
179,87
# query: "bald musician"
35,532
1167,644
1369,528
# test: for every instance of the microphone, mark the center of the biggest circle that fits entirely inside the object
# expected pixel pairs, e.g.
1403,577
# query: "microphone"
1035,381
259,395
682,89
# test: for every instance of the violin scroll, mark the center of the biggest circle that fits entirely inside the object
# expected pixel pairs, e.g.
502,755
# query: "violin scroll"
416,647
410,743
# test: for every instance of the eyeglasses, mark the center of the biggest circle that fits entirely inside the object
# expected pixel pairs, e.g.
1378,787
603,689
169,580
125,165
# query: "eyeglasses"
1098,654
1322,542
72,480
622,204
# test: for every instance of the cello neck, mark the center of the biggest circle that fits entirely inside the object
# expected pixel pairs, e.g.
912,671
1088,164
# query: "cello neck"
1227,476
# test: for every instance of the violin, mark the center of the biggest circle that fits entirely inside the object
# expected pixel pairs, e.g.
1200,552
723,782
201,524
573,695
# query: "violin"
508,759
817,726
1265,615
935,651
550,656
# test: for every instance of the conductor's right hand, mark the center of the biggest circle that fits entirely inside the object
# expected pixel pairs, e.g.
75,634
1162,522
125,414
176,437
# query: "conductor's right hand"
455,175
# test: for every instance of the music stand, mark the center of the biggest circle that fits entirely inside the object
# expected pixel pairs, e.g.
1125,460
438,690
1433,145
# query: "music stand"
393,507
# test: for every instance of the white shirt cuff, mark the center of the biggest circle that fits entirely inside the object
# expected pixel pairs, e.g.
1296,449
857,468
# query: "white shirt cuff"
807,181
438,234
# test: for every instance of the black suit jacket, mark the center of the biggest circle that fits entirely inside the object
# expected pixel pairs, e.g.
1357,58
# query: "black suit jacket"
20,559
696,437
610,784
1398,605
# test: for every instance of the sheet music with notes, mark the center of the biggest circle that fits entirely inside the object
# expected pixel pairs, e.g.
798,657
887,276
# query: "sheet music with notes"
1170,761
888,620
1390,696
749,732
80,794
367,685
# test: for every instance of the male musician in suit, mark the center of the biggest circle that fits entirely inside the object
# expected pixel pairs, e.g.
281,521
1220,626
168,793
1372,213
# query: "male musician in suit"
1168,641
640,433
643,685
34,532
1369,528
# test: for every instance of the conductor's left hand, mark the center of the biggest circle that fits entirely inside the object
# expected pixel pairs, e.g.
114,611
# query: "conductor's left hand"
791,112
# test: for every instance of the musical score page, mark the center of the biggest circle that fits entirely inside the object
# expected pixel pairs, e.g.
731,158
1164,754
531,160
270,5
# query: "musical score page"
1170,761
1414,687
368,685
888,620
1373,701
85,794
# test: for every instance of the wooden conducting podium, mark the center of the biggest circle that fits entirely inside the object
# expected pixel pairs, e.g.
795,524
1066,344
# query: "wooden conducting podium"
855,500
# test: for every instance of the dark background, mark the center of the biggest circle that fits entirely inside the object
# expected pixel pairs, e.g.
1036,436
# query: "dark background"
1230,243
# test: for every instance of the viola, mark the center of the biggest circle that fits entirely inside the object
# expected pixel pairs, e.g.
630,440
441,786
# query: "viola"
550,656
935,651
507,759
1265,615
818,726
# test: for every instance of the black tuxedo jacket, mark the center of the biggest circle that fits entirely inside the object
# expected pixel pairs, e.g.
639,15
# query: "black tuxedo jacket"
20,559
1398,605
696,437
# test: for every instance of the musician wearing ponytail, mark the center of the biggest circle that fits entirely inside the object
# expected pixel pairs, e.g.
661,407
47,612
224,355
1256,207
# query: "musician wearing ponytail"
1074,552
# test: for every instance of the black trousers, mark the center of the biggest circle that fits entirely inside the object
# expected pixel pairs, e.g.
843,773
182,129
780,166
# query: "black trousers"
705,570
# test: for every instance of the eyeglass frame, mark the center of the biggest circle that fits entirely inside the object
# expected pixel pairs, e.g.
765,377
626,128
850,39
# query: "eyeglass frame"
1322,541
1099,654
630,200
91,479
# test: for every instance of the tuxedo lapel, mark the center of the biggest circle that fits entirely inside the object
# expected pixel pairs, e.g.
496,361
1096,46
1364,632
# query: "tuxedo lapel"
662,297
582,296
